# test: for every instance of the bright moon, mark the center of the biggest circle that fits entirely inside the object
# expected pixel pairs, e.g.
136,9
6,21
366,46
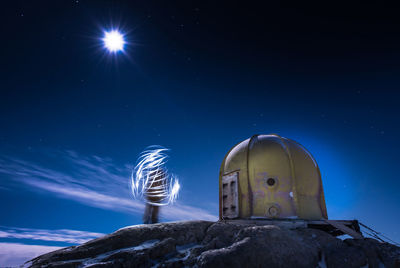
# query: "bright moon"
114,41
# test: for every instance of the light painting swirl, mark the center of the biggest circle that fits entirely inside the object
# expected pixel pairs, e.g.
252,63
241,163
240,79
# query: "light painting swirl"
151,180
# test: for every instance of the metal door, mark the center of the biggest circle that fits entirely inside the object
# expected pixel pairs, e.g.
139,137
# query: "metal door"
230,200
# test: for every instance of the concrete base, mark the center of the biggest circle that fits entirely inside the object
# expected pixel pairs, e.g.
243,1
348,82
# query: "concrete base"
333,227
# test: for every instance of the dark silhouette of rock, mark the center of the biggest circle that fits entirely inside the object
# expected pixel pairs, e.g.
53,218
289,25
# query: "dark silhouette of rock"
221,244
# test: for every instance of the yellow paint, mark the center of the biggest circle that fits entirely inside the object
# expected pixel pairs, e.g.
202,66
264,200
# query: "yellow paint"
277,178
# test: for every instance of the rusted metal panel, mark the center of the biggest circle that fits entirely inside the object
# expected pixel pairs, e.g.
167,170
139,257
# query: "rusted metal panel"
230,196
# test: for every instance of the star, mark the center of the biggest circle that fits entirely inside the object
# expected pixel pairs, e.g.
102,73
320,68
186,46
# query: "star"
114,41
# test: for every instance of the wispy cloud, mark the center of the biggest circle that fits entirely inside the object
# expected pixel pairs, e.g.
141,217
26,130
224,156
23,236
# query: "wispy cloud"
15,254
91,180
62,235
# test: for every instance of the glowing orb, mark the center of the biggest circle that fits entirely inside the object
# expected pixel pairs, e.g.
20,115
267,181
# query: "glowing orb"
151,180
114,41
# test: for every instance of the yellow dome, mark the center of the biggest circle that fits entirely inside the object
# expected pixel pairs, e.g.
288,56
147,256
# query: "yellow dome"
268,176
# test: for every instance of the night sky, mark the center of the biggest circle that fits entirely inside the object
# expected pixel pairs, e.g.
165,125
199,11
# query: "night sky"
196,77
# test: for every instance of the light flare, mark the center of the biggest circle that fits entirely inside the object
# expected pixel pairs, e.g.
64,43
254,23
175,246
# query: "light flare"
151,180
114,41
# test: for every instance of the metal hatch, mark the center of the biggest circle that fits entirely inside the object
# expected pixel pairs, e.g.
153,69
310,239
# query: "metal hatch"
230,202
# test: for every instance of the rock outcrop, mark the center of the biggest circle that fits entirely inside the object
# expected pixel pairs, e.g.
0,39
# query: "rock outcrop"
220,244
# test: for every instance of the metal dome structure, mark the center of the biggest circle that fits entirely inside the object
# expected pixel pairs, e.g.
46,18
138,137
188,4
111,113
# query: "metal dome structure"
270,177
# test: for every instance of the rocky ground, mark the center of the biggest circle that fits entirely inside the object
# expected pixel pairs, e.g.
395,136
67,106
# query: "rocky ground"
210,244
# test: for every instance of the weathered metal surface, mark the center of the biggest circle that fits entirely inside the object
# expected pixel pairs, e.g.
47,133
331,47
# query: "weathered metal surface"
278,178
230,201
